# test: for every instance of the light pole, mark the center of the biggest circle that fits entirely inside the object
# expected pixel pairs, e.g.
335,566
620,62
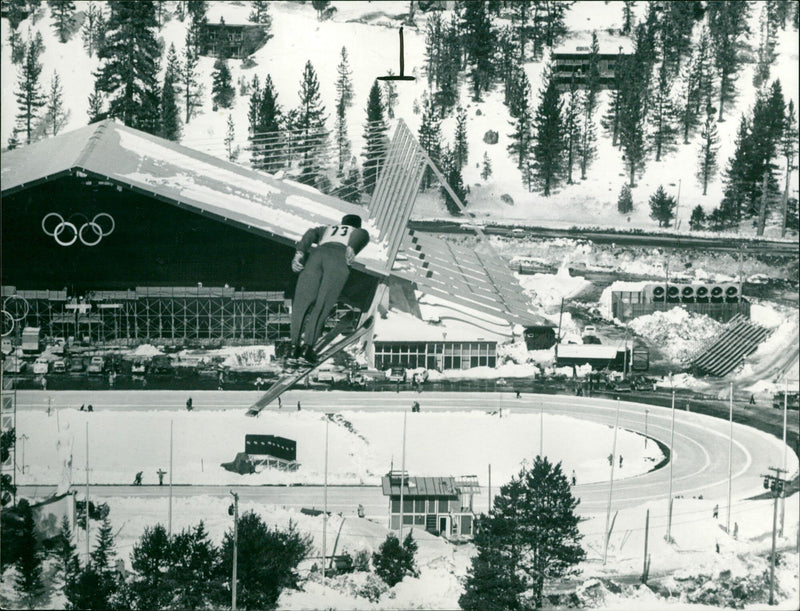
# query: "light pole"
611,484
24,438
646,411
775,483
235,546
671,463
325,504
730,460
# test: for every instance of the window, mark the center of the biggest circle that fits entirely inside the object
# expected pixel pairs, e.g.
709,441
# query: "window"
396,522
419,506
408,505
395,505
408,519
431,505
444,506
419,519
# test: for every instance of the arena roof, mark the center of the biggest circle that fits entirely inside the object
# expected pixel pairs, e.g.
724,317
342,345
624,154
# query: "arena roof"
279,209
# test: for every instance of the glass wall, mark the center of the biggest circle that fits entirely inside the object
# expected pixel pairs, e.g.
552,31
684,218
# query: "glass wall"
439,355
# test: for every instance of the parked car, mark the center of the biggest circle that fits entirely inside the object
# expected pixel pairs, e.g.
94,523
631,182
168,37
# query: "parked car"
96,365
397,374
76,365
518,233
330,373
589,330
138,368
161,364
792,400
41,366
59,366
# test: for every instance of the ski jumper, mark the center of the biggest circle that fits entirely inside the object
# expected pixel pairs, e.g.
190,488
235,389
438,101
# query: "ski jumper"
323,277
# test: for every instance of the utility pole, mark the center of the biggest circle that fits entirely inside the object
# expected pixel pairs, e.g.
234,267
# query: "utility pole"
671,463
541,429
611,484
325,504
646,411
776,484
730,461
88,554
402,475
490,489
169,522
235,547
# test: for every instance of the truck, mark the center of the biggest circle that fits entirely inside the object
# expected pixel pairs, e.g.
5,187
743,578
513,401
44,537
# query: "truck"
31,340
96,365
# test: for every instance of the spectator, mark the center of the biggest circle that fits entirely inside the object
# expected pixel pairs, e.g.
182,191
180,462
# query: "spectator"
137,481
716,511
83,407
298,406
189,404
280,405
574,478
752,399
519,396
620,461
161,475
90,408
44,382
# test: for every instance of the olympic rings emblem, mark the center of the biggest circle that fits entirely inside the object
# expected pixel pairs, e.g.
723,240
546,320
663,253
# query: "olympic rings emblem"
66,233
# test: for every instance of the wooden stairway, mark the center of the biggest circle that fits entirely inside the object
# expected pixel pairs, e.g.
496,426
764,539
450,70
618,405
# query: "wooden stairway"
739,339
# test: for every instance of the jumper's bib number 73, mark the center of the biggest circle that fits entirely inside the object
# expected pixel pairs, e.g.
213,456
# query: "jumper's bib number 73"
338,234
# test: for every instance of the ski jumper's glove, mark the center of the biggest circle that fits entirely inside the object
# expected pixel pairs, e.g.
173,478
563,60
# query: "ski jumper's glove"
349,255
297,262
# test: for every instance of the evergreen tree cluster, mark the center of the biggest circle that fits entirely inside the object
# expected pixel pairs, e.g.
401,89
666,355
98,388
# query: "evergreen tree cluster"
750,180
530,536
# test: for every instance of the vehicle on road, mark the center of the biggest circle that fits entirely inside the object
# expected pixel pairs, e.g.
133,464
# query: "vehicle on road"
792,400
518,233
330,373
397,374
59,366
41,366
76,365
161,364
139,367
96,365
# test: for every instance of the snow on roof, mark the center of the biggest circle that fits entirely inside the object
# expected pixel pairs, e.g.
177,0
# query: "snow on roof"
404,327
587,351
609,44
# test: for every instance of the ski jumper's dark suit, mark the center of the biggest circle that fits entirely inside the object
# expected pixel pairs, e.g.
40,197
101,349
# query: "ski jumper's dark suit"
323,275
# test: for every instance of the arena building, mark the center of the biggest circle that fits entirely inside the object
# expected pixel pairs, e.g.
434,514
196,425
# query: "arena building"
121,237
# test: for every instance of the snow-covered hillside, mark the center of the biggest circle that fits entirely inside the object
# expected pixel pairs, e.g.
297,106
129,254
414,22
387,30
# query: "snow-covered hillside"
368,31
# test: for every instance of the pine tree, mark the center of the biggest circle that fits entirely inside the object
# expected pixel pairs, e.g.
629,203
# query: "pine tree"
727,25
610,120
697,87
128,74
676,32
192,91
521,25
434,47
170,122
29,96
549,19
709,145
267,141
15,11
735,191
633,105
196,11
549,137
460,147
260,13
789,150
486,170
375,138
230,137
151,561
430,138
17,46
625,200
507,56
267,560
664,132
531,535
446,95
456,182
572,127
192,572
90,32
310,136
490,586
768,27
63,12
479,43
222,90
627,16
104,552
55,115
393,561
350,191
97,104
662,207
28,580
766,133
390,95
698,219
521,145
344,100
65,552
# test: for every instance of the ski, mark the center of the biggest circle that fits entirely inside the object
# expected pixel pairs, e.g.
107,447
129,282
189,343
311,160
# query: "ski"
288,380
322,342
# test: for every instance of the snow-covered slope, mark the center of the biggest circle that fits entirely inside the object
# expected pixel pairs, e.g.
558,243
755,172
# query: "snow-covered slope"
368,31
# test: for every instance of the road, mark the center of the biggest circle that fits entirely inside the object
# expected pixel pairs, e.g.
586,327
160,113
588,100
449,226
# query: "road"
700,454
760,246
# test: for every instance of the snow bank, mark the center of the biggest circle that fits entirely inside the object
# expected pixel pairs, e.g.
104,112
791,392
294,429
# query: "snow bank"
146,350
547,290
678,334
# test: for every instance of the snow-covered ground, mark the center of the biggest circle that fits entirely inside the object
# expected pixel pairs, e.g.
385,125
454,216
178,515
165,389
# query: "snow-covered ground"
690,569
